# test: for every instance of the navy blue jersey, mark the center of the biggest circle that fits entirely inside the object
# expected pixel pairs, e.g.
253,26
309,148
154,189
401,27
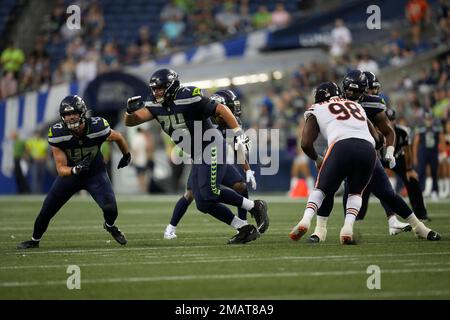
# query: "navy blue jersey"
96,131
402,139
372,105
189,106
429,136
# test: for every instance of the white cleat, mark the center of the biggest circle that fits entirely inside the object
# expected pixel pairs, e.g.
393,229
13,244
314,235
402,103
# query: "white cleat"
170,235
399,227
346,235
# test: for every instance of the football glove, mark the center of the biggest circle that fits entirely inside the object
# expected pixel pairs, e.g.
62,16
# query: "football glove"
82,166
134,103
124,161
250,178
389,156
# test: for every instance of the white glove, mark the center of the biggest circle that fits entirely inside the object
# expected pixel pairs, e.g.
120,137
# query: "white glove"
239,145
389,156
247,144
251,178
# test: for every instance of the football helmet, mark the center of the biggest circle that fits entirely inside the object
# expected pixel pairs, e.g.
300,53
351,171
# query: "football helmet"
70,105
229,99
372,82
390,113
165,79
354,85
325,91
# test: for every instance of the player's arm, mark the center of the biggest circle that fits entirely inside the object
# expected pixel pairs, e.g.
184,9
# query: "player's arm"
61,162
415,148
382,122
118,138
309,135
137,117
379,138
227,116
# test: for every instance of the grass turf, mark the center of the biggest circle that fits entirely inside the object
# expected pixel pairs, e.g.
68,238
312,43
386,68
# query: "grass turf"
200,265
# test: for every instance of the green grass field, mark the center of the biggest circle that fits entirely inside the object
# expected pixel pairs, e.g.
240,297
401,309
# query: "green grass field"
200,265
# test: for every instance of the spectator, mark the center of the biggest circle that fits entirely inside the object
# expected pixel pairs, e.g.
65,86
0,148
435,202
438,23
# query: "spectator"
8,85
36,150
417,12
341,39
280,17
86,69
20,168
366,63
171,10
139,161
12,58
173,29
228,20
262,18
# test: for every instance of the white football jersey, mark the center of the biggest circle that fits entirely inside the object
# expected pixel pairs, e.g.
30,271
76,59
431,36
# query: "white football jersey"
341,119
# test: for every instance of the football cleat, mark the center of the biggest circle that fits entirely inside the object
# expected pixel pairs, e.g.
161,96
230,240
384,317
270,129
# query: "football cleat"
399,227
116,234
298,232
346,235
313,239
28,244
433,236
169,235
259,212
245,234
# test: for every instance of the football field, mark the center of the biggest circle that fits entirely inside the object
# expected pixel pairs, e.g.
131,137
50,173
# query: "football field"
200,265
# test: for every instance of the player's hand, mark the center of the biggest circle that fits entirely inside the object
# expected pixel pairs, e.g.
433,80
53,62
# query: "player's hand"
82,166
319,161
412,174
389,156
124,161
239,145
247,144
134,103
250,178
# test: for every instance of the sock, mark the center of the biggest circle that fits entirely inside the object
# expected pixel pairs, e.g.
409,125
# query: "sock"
247,204
349,219
242,213
36,240
238,223
418,226
179,210
315,200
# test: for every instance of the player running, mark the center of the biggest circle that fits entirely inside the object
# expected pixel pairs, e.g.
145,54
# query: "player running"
236,177
351,155
185,114
75,143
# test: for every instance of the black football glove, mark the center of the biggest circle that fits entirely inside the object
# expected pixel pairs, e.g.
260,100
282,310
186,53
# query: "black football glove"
124,161
82,166
134,104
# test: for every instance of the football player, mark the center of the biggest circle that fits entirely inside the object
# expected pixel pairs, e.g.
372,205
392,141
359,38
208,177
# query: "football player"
404,168
186,109
75,142
235,176
343,123
354,88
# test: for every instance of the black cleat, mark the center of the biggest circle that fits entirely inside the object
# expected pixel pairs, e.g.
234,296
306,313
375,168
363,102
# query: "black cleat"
245,234
259,212
433,236
313,239
116,234
28,244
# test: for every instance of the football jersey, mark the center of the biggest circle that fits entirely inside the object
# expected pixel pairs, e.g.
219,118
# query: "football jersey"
429,136
189,109
372,105
97,130
340,119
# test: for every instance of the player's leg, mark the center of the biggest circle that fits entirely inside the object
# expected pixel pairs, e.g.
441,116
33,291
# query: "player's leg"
61,191
330,176
358,178
100,188
179,210
235,180
206,195
383,190
434,164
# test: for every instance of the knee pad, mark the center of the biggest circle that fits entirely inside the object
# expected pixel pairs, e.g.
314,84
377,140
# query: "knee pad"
189,195
354,201
240,187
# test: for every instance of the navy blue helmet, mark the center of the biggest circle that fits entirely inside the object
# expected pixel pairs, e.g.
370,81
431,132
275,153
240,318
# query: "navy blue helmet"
166,79
229,99
372,81
70,105
325,91
354,85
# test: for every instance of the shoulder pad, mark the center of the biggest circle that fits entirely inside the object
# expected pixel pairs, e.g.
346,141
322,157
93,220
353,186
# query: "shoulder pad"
190,91
57,130
100,127
373,102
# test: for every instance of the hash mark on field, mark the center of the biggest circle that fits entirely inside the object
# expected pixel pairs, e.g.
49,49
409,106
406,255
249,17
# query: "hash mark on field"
216,277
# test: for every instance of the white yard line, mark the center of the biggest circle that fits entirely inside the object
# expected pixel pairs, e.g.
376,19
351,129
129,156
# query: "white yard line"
217,277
